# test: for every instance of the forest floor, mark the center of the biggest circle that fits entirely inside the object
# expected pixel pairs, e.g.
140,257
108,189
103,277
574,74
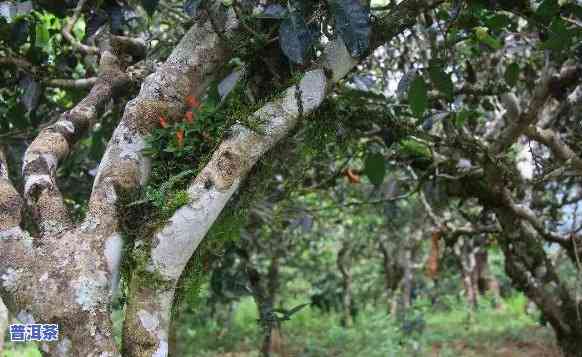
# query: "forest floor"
453,332
492,332
534,342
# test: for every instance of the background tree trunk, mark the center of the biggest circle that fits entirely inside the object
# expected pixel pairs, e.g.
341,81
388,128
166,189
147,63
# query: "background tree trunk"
466,253
392,270
343,265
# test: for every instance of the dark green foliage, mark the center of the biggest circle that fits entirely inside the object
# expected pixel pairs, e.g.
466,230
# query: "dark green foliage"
352,23
115,12
512,74
498,21
441,80
417,96
559,38
375,168
547,10
150,6
19,32
296,38
274,11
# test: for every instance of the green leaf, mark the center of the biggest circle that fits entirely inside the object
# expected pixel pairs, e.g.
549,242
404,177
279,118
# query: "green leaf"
417,96
97,145
559,37
352,23
512,74
295,38
150,6
442,81
498,22
42,37
483,36
547,10
375,168
79,29
461,117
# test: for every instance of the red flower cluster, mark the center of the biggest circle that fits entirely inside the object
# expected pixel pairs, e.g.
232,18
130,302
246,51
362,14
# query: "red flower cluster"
192,103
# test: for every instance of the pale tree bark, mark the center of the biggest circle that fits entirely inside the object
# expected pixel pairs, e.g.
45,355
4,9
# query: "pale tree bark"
4,322
63,276
67,274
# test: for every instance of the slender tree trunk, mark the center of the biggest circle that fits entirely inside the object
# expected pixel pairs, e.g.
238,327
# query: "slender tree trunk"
466,254
347,300
485,280
392,271
272,341
407,281
410,246
265,289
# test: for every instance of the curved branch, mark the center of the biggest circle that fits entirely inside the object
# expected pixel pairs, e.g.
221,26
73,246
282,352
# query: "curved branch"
54,143
10,201
16,62
81,83
124,169
518,121
559,149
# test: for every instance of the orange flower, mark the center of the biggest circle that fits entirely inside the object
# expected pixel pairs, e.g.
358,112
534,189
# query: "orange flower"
352,176
189,117
180,137
192,101
163,122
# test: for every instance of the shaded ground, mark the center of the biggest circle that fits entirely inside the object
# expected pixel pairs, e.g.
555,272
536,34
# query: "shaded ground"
534,342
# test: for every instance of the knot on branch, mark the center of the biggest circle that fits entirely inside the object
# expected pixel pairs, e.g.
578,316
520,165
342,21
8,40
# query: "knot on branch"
228,168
